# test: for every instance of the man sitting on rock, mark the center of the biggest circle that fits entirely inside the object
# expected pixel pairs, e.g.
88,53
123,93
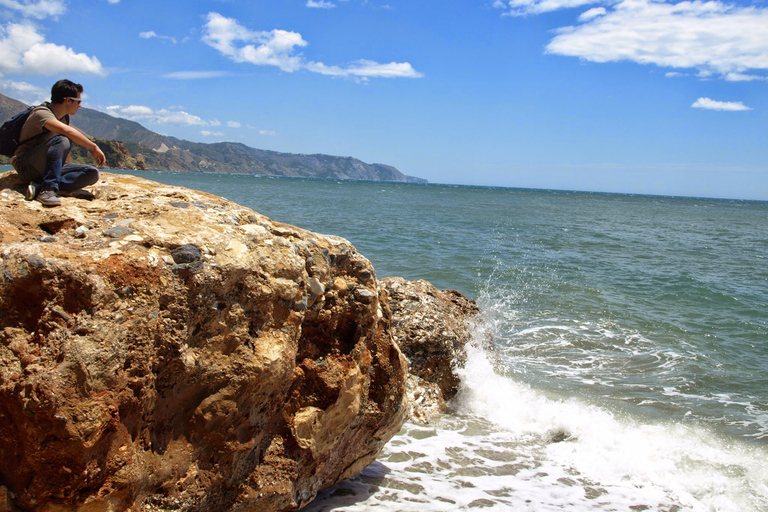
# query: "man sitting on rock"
46,138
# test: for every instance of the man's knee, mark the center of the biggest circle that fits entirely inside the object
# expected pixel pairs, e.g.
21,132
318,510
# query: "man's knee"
90,177
60,143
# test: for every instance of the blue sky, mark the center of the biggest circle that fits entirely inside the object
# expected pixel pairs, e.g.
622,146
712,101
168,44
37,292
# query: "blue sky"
622,96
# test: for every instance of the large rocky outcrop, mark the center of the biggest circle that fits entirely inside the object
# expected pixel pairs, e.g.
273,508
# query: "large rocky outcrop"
165,349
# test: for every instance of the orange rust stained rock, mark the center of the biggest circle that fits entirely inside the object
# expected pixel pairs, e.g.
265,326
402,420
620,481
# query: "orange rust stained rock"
247,379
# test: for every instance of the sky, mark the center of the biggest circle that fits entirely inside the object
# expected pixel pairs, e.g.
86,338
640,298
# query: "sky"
637,96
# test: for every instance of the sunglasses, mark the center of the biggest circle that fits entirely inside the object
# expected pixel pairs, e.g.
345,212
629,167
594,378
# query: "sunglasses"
79,100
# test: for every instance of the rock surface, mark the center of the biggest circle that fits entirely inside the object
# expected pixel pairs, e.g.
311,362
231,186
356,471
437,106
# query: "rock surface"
432,328
165,349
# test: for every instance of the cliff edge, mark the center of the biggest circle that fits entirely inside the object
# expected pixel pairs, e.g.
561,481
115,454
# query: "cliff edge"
166,349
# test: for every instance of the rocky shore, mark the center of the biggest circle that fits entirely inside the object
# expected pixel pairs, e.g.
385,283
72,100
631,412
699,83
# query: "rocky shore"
166,349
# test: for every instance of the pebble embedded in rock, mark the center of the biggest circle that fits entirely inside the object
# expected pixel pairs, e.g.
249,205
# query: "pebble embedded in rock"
188,253
316,286
118,231
364,295
36,261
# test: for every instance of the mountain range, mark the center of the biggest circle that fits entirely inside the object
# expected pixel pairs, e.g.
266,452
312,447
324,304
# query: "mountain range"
129,145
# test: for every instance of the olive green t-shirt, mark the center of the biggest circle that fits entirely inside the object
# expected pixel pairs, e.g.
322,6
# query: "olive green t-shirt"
35,125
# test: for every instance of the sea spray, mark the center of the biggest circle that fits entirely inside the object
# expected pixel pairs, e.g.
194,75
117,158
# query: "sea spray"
661,466
507,446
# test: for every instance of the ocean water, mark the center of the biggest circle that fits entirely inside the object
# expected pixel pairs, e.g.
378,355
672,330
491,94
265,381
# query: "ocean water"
630,369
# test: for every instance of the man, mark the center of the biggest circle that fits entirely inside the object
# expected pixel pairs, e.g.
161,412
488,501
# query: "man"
43,152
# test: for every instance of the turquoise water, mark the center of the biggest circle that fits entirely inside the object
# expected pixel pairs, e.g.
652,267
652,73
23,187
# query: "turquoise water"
631,334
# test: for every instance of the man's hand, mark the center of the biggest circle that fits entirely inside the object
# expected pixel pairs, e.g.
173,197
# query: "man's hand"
98,156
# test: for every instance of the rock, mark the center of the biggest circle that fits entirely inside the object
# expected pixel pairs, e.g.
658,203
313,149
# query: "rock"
80,231
432,328
316,286
425,400
129,383
187,253
118,231
6,503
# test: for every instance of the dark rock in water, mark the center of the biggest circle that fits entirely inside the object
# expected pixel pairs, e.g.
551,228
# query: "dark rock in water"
557,435
431,327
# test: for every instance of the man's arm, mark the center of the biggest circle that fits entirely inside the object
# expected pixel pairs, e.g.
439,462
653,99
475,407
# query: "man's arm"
77,137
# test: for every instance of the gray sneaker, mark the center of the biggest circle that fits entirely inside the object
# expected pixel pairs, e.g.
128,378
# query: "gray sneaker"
31,191
48,198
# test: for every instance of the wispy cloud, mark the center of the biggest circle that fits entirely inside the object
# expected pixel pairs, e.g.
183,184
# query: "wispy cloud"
709,104
592,13
24,50
141,113
742,77
194,75
207,133
322,4
525,7
151,34
22,91
38,9
715,38
278,48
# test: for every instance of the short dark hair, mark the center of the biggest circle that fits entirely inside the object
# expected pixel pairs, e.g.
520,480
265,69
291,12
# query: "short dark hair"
64,89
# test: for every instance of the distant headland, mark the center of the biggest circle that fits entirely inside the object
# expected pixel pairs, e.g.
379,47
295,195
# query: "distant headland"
128,145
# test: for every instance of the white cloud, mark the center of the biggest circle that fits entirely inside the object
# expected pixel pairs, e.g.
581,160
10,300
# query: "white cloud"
194,75
145,114
278,47
39,9
592,13
322,4
524,7
234,124
206,133
151,34
24,50
366,69
270,133
22,91
709,104
712,37
741,77
273,48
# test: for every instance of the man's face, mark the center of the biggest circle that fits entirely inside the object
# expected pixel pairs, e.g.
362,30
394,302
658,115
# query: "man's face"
73,104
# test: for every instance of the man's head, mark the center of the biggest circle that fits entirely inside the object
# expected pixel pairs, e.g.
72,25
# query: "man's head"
66,91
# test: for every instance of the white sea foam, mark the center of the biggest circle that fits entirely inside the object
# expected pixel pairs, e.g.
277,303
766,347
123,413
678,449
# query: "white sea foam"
508,447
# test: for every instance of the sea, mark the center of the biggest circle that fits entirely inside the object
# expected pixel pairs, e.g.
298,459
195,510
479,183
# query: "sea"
629,367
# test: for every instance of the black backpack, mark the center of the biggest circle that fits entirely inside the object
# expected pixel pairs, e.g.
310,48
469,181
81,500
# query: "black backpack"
11,131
